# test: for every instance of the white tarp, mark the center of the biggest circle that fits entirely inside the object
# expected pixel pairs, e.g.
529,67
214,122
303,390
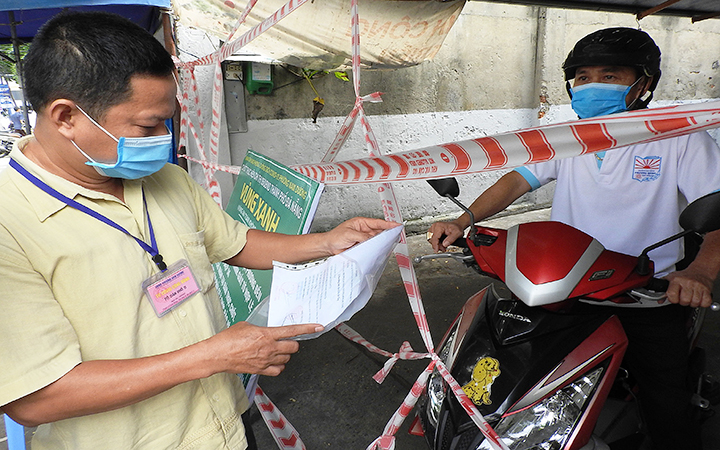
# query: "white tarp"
318,35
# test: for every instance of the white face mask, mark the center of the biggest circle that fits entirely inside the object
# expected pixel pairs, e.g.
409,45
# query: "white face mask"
136,157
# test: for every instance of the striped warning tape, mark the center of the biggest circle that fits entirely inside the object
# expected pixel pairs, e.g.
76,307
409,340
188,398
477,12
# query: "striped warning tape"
190,99
284,434
386,441
522,147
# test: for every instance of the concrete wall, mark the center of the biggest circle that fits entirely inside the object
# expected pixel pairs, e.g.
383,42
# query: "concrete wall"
498,70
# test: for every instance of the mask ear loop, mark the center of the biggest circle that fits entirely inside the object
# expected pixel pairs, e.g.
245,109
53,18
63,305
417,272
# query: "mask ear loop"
96,124
83,153
641,104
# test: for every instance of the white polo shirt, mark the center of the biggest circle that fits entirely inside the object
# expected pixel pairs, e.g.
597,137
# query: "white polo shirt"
635,197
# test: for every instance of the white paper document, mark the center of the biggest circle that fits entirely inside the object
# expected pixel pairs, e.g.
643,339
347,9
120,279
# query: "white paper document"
330,291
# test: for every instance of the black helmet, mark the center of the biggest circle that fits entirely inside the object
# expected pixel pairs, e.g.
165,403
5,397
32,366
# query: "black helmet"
615,47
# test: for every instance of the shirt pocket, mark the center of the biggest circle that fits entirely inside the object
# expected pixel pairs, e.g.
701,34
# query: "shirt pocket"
197,257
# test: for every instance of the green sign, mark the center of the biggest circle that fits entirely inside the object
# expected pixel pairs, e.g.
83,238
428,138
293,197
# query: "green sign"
267,196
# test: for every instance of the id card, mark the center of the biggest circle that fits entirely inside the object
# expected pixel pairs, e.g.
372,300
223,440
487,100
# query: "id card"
166,290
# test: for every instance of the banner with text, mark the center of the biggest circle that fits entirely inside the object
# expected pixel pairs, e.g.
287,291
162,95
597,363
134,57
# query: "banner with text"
271,197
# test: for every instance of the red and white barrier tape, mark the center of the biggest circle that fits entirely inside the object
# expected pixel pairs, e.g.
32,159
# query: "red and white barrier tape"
215,59
392,212
387,440
285,436
357,110
513,149
406,351
391,209
235,170
348,125
241,20
232,47
522,147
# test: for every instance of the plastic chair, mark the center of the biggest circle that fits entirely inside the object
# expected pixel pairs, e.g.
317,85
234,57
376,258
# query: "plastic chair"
15,434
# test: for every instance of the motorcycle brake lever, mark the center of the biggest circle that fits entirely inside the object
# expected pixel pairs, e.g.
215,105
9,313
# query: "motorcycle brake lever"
454,255
646,294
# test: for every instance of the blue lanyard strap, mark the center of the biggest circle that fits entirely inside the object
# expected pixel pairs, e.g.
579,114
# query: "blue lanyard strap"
152,249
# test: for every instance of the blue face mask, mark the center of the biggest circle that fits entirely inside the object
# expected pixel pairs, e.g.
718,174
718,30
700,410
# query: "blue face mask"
136,157
599,99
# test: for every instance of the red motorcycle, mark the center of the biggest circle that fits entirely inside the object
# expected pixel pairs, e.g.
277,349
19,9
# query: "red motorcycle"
538,371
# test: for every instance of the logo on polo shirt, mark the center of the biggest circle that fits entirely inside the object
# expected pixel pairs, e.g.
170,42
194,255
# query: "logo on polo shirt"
647,168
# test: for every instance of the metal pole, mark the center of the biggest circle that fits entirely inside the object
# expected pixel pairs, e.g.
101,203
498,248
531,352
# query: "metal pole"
18,65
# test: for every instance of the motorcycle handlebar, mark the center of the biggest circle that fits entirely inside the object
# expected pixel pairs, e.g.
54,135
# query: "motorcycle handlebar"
658,284
459,242
661,285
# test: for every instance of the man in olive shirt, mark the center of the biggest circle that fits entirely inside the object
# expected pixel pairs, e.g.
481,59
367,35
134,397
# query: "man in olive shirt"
113,336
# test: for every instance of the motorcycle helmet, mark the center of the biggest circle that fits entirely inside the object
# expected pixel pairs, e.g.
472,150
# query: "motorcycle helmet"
616,47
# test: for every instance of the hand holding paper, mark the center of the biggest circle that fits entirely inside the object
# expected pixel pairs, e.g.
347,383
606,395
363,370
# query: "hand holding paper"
329,291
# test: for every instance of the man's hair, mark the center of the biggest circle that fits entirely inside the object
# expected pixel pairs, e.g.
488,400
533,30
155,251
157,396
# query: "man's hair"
89,58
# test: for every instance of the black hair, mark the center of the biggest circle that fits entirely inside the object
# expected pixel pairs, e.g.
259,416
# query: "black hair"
89,58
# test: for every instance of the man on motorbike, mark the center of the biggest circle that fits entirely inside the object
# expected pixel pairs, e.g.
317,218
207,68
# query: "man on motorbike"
628,199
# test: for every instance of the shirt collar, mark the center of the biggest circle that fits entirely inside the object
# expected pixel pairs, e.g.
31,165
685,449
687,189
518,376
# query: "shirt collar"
44,204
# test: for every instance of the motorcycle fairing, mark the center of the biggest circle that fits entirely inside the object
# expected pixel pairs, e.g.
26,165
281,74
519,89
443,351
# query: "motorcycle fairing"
605,346
546,262
529,277
513,342
620,277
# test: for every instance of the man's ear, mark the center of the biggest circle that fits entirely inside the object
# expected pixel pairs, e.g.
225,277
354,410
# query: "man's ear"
63,117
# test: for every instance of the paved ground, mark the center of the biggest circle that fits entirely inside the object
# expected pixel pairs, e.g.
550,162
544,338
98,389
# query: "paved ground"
327,391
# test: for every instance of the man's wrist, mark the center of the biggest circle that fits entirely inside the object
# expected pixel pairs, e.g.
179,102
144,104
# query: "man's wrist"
463,221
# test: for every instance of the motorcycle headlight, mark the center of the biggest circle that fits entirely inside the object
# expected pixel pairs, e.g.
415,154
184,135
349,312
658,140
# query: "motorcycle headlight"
550,423
436,388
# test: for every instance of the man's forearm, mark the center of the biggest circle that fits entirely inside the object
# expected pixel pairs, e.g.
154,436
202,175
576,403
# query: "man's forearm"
104,385
263,248
707,260
496,198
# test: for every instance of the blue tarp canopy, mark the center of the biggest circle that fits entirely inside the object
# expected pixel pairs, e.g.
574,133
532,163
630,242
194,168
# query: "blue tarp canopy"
31,14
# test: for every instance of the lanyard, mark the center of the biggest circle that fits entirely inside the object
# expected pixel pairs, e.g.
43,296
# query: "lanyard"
152,249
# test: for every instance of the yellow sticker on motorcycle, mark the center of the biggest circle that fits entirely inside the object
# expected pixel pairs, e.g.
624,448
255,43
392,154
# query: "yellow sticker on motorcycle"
483,376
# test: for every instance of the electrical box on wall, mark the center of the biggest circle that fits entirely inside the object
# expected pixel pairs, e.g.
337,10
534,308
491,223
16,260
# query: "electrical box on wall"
258,78
233,70
235,111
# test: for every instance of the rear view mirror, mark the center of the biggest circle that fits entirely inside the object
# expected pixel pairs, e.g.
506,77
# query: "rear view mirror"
702,215
447,187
